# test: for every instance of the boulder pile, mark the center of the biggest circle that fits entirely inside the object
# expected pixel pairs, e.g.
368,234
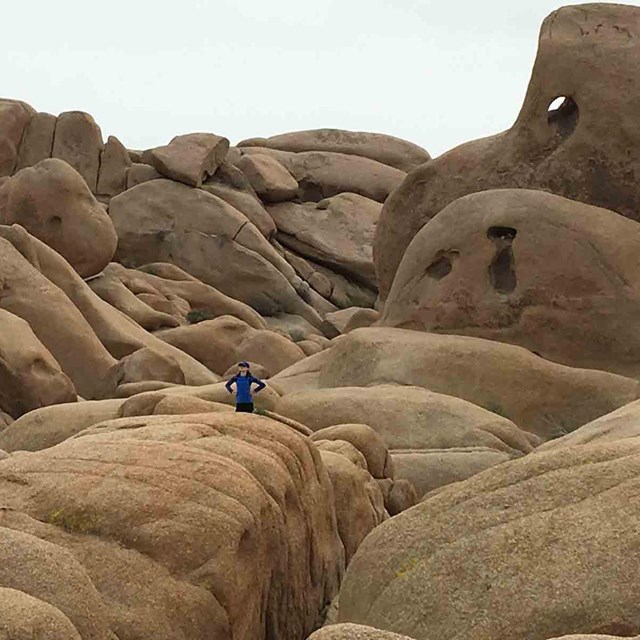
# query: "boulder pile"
448,443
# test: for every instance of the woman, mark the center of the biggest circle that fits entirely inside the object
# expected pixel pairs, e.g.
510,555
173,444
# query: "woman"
243,381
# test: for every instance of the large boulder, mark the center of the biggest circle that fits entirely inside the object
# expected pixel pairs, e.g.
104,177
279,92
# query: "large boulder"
388,150
332,290
367,441
215,526
359,504
347,631
618,425
112,290
337,232
23,617
37,140
14,119
588,149
78,141
52,201
542,397
114,167
231,184
488,557
51,425
85,334
190,158
415,422
165,221
323,174
271,181
50,573
488,265
175,284
55,321
225,341
29,375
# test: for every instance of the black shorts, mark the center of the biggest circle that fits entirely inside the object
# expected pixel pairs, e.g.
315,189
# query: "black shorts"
244,407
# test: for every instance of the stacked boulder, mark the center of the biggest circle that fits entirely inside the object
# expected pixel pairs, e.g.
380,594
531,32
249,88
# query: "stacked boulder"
451,358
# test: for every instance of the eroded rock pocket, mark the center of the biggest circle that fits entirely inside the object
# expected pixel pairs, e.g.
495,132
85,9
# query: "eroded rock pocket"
502,273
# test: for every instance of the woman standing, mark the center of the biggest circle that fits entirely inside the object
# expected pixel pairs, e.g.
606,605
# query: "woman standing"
244,394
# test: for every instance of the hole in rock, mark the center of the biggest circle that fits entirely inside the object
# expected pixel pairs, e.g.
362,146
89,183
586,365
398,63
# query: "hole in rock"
501,233
563,113
439,268
501,272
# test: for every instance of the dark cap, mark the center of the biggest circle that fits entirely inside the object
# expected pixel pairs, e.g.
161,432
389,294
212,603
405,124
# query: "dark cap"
243,364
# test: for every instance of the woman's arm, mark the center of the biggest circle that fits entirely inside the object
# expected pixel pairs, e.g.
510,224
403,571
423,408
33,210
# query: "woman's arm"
260,385
229,385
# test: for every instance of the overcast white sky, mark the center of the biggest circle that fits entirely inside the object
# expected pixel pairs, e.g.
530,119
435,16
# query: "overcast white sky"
437,72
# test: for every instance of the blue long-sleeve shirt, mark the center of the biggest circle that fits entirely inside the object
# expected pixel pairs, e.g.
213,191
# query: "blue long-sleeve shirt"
243,387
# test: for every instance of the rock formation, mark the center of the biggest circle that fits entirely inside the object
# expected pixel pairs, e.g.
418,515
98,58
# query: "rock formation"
489,265
586,150
447,443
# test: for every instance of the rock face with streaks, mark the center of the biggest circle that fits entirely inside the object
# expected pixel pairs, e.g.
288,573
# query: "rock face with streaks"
205,517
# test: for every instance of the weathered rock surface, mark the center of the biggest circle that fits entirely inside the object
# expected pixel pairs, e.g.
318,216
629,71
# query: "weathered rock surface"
225,341
367,441
347,631
29,375
139,173
114,167
78,141
85,334
542,397
618,425
415,421
217,526
37,140
177,285
271,181
587,150
14,118
23,617
230,184
112,290
323,174
510,539
337,232
345,320
164,221
529,268
53,203
55,321
190,158
388,150
48,426
359,504
43,570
